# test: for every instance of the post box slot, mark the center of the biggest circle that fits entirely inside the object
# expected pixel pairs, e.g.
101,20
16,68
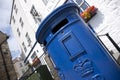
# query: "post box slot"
59,25
45,42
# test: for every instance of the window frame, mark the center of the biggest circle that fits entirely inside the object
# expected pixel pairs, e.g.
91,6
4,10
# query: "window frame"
24,47
18,31
28,39
45,2
81,4
35,14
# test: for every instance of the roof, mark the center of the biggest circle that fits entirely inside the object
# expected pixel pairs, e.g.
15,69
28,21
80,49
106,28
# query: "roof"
3,37
12,11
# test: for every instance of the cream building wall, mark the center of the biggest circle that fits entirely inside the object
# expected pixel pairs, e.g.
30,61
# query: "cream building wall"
7,71
107,20
24,23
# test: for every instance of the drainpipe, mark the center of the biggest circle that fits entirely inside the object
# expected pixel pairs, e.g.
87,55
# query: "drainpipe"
30,52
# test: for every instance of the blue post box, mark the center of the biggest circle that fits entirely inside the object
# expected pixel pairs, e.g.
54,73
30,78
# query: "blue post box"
74,49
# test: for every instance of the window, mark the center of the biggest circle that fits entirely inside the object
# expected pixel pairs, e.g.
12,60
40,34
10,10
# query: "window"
5,52
21,22
16,10
86,11
21,65
33,55
13,18
82,4
25,1
37,51
15,6
79,1
23,71
24,47
28,39
20,19
18,31
36,16
45,1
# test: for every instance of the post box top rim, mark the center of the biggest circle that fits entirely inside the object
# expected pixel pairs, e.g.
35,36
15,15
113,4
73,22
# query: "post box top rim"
41,29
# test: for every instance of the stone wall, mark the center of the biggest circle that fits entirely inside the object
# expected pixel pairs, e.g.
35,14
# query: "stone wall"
6,65
51,67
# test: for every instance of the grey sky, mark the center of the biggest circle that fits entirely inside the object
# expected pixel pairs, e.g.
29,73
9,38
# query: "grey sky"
5,12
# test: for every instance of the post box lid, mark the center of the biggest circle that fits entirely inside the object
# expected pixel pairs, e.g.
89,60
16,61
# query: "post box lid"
43,31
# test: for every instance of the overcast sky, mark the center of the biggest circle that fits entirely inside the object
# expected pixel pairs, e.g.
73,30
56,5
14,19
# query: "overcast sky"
5,12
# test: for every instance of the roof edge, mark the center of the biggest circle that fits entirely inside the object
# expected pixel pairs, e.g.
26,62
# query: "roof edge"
11,11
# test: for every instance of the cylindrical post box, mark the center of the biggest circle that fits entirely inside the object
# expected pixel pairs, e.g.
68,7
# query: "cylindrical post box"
74,49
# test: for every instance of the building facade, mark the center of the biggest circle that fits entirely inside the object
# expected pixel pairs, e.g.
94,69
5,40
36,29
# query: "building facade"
6,66
26,17
19,66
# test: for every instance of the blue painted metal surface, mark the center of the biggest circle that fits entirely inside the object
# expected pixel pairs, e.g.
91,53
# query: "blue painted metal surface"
74,49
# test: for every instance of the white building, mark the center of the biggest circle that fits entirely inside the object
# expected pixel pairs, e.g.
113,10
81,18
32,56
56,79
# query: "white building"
25,19
20,67
27,15
107,20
